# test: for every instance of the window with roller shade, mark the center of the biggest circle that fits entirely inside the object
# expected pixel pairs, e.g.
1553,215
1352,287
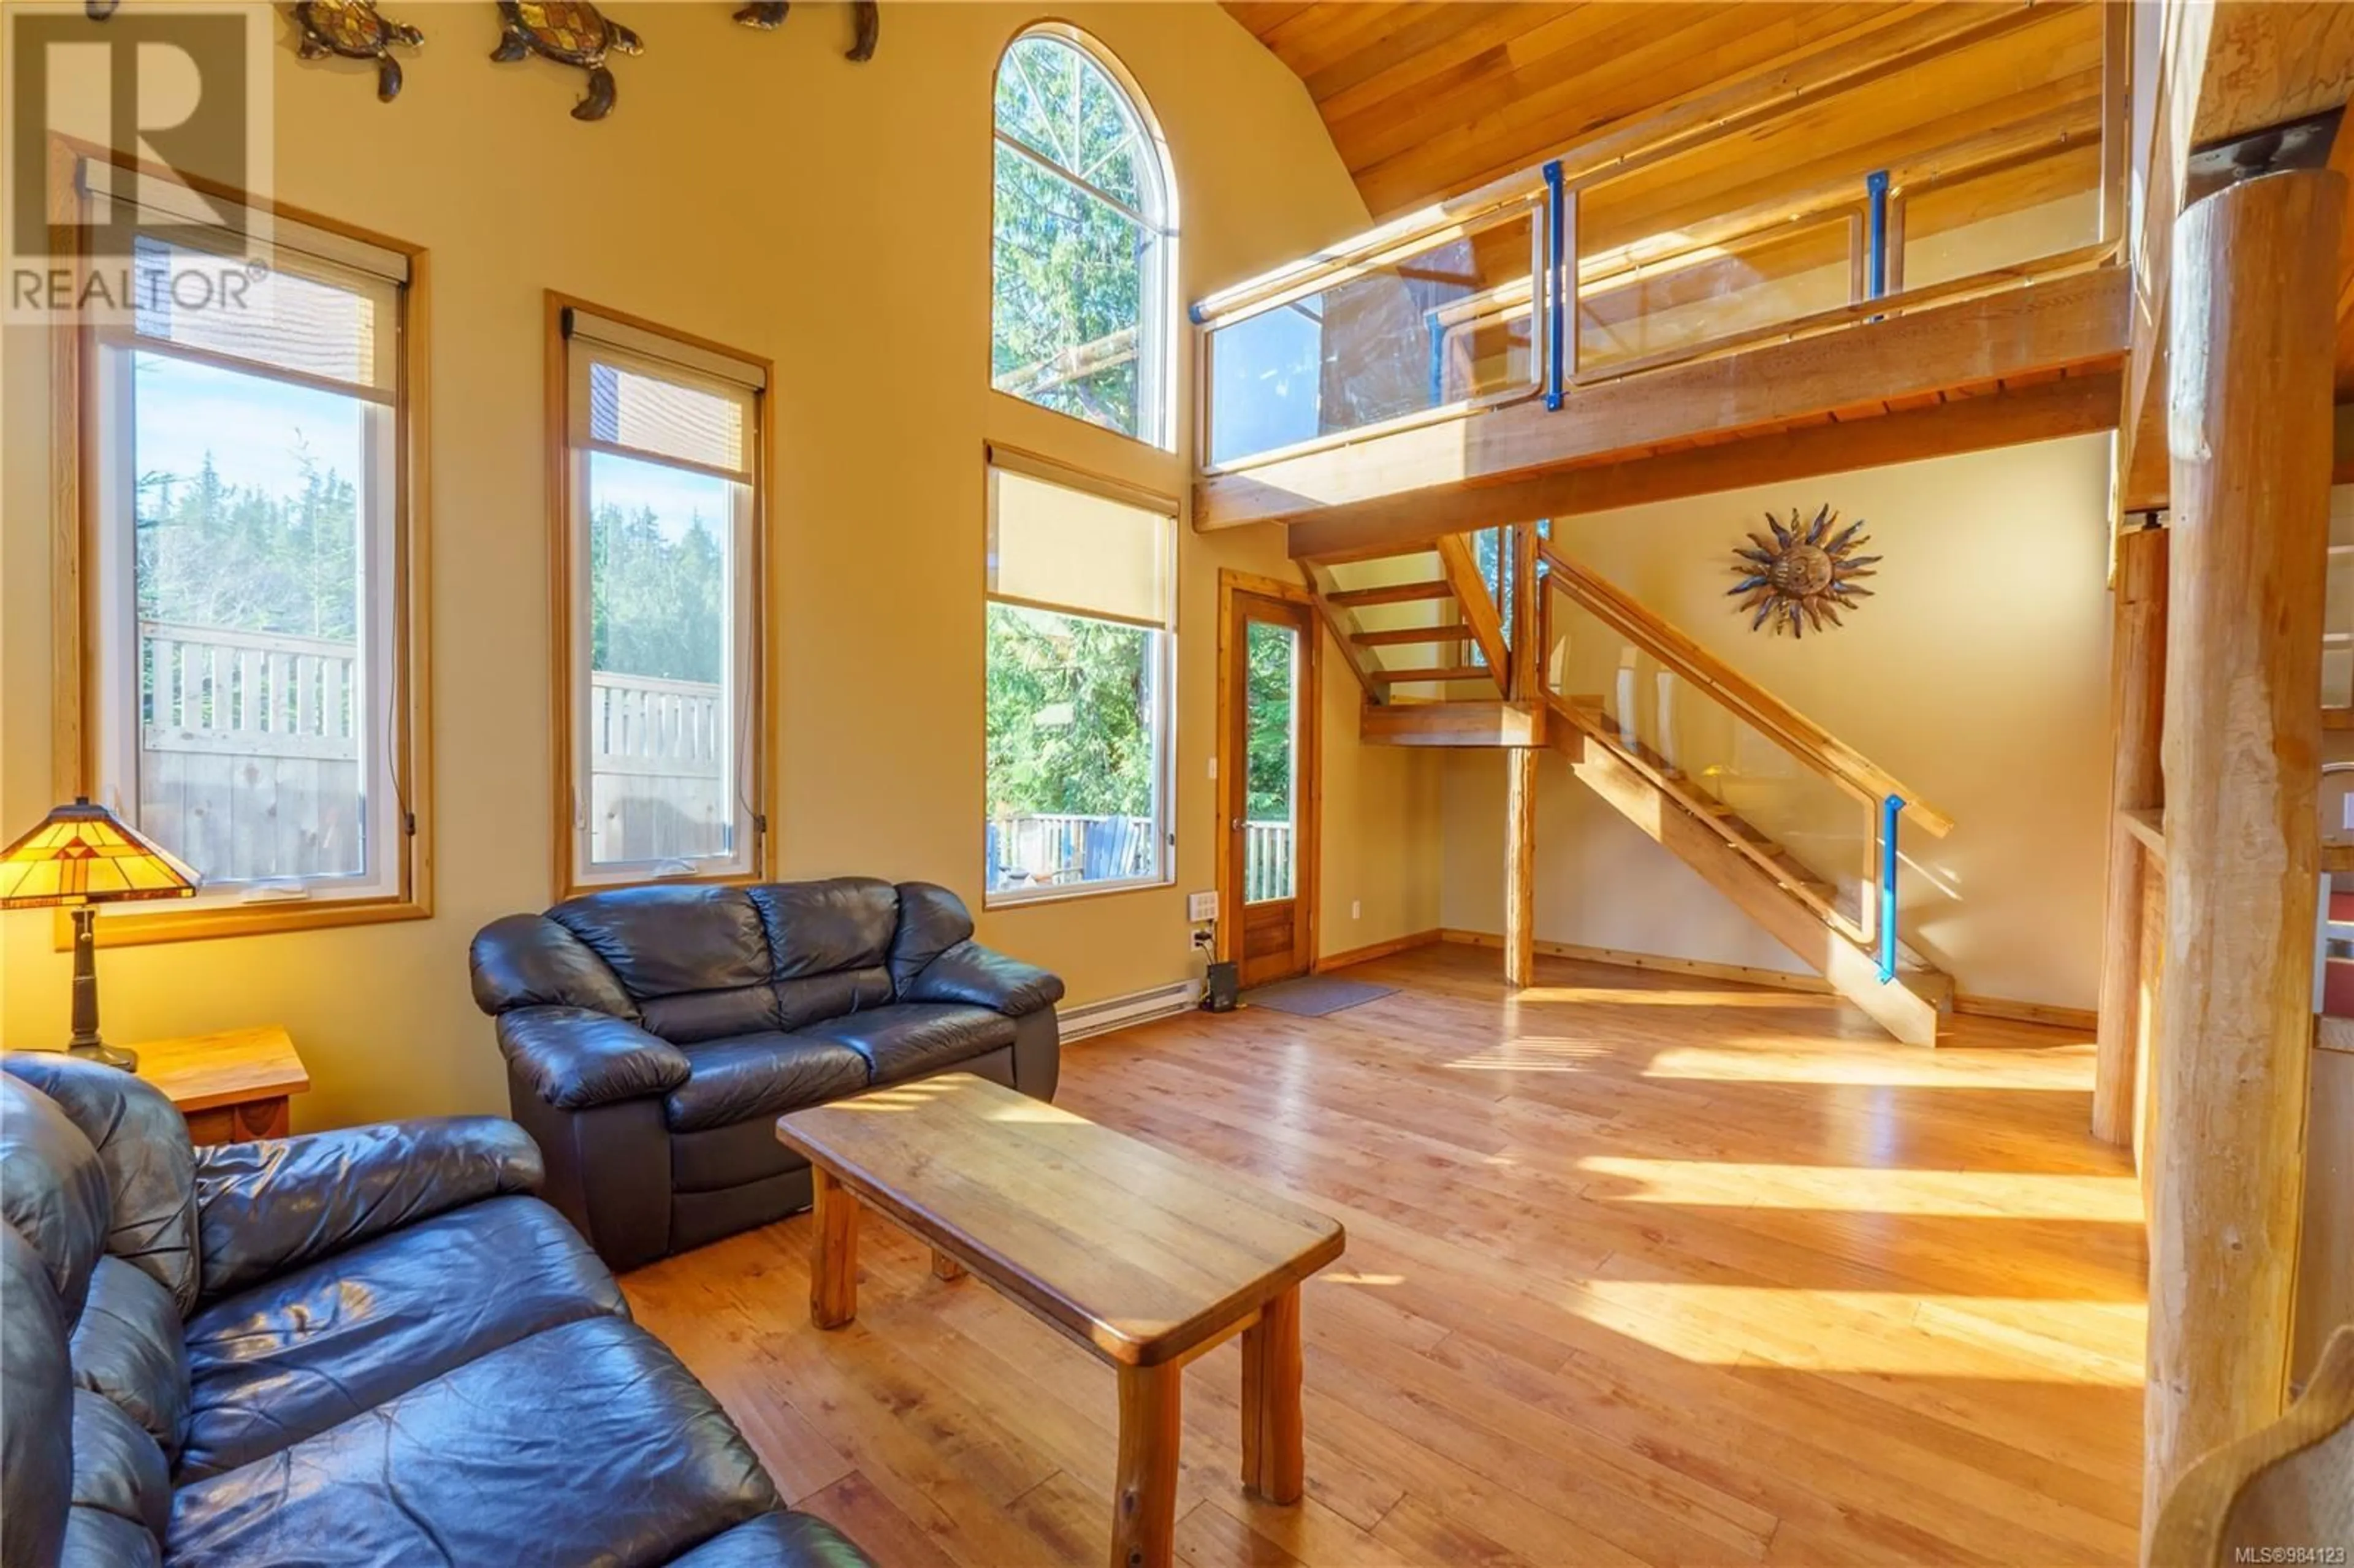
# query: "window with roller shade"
661,641
1081,684
246,687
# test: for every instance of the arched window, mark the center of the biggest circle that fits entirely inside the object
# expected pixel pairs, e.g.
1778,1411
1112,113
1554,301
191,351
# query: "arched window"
1081,314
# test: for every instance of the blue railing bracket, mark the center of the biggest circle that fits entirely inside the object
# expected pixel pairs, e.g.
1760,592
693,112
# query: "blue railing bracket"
1875,192
1892,810
1556,242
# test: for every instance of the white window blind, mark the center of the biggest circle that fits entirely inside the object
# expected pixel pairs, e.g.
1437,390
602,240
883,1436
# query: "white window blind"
653,397
1054,546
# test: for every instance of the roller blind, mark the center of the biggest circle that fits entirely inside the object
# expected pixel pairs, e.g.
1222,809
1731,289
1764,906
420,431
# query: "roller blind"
319,305
1059,547
648,395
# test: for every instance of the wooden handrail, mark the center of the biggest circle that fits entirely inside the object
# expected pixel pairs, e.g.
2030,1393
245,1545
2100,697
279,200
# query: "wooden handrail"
1801,737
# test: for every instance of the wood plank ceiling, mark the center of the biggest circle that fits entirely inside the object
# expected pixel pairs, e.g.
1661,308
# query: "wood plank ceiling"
1427,98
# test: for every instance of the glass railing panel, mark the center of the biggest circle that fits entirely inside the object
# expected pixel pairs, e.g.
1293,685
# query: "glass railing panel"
1812,828
1991,155
1716,291
1457,320
2006,215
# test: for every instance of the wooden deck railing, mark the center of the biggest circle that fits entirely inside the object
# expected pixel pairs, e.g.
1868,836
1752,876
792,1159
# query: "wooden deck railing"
247,693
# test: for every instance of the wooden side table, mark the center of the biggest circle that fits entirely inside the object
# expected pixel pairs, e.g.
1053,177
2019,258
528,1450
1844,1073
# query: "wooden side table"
232,1085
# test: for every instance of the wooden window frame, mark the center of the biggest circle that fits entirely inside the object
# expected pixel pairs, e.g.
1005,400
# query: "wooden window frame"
75,614
765,663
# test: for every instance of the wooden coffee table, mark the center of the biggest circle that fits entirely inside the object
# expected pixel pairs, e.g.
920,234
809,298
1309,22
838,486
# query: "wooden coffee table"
1145,1257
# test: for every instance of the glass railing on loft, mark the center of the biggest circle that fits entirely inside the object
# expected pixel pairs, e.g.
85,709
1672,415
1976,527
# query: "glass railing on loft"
1450,321
1979,148
1798,802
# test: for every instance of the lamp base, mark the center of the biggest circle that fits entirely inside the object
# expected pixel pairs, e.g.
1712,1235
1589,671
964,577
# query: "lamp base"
111,1056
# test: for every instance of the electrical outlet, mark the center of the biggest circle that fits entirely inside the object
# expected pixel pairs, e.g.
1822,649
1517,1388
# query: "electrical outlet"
1356,908
1200,906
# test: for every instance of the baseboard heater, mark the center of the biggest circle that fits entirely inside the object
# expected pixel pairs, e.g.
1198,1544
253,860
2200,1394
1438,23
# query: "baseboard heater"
1137,1007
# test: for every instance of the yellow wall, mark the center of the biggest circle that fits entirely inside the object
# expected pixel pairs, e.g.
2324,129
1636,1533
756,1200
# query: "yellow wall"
756,189
1978,674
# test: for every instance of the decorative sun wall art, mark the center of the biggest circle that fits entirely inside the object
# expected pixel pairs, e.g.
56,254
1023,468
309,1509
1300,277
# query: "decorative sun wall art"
1804,574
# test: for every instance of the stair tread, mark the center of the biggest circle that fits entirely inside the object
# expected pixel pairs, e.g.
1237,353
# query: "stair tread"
1403,635
1389,593
1460,673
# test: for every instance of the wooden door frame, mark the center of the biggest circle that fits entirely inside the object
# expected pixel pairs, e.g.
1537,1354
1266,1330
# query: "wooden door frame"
1309,868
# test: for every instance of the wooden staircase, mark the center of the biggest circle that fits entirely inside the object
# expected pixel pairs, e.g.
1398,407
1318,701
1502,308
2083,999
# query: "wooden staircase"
1440,598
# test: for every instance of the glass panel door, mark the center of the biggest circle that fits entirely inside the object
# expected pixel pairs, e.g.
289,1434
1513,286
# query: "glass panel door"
1271,745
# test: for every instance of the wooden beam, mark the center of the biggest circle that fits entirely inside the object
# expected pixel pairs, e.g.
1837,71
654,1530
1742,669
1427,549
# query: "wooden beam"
1480,610
1527,628
2136,783
2071,405
1520,869
2253,309
1454,724
2209,73
2066,322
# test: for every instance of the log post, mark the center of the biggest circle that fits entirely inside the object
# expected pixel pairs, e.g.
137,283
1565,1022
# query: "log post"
2136,718
2253,312
1520,870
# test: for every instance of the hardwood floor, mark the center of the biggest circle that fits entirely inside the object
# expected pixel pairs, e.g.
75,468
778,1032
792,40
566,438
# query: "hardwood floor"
1641,1269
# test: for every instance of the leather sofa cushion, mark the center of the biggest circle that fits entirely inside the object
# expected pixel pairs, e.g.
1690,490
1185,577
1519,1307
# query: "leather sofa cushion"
128,1347
529,960
143,1148
291,1357
907,1039
52,1190
36,1410
693,1017
812,997
931,921
118,1468
588,1443
718,1158
760,1075
663,941
97,1538
777,1541
816,928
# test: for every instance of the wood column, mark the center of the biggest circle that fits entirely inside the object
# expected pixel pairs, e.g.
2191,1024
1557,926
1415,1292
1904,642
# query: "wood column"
2136,720
2253,312
1520,869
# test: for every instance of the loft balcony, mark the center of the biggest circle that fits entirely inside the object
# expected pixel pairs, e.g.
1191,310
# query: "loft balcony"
1906,247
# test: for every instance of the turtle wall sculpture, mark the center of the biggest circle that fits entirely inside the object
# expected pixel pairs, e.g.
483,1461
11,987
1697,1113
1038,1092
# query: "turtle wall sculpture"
569,32
353,29
767,15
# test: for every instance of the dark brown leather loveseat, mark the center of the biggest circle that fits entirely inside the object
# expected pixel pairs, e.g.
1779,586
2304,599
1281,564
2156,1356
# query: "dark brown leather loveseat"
369,1347
654,1035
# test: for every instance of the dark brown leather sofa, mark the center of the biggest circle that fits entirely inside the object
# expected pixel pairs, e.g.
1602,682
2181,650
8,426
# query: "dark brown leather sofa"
654,1035
370,1347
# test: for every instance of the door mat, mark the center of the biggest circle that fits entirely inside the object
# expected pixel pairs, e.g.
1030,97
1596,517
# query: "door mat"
1313,996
